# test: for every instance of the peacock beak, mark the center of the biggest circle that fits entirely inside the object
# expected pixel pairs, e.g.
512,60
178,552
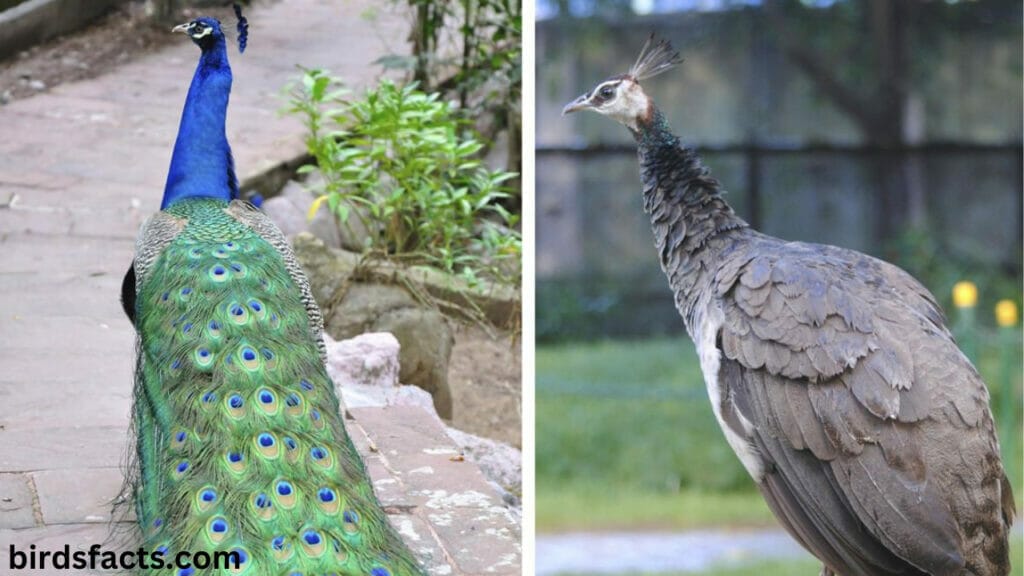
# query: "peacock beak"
183,28
576,105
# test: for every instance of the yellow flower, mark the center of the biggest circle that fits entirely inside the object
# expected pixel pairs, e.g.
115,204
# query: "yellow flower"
1006,313
965,294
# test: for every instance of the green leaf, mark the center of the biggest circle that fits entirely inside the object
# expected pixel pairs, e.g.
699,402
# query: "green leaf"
315,206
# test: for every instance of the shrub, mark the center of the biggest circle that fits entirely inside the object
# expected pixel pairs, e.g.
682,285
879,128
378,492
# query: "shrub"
397,160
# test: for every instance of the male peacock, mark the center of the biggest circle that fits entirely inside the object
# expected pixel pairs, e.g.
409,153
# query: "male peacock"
240,445
831,373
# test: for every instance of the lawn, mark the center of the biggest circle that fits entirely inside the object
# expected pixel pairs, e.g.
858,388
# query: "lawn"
626,440
595,507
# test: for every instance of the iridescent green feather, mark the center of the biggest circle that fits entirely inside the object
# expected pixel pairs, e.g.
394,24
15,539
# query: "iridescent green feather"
240,442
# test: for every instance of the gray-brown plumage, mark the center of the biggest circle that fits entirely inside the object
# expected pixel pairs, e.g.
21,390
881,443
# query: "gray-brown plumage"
832,373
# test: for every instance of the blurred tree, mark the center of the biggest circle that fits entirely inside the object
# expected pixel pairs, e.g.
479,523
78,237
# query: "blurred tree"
470,50
164,11
879,101
864,57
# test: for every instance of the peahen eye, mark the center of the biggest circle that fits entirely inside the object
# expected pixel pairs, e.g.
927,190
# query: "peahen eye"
607,92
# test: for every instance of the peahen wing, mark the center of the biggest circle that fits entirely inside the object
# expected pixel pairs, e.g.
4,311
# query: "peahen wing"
240,443
865,413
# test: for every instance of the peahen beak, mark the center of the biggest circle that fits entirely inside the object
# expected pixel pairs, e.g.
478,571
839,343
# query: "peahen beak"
183,28
576,105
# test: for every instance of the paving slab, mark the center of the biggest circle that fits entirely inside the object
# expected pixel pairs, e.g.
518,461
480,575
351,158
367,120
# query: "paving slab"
416,466
94,401
60,448
81,167
77,496
16,501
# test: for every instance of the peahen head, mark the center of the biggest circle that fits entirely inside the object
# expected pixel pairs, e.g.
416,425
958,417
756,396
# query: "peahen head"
621,97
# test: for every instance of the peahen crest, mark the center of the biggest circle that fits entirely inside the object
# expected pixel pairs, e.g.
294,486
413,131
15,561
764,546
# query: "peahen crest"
655,57
240,447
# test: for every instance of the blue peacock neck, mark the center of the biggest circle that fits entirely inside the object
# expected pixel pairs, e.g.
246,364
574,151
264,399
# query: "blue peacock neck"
202,166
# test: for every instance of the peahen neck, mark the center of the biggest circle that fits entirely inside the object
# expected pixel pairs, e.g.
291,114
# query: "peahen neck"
689,217
202,166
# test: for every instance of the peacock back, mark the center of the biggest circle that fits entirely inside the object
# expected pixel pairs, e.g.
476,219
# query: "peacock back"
240,443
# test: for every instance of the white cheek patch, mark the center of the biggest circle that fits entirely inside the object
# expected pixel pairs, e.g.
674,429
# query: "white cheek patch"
205,32
634,103
627,107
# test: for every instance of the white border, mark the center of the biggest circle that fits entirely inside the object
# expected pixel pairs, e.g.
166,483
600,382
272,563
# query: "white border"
529,221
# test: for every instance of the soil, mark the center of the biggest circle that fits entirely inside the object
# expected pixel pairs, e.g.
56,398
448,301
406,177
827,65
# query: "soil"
112,41
485,376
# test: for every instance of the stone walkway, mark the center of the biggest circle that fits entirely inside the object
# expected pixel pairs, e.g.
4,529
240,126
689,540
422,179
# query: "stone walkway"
80,167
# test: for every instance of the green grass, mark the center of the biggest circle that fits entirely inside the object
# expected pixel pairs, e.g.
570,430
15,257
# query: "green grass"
625,438
630,414
563,508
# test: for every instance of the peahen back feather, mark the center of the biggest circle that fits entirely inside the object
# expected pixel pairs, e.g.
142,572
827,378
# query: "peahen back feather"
240,444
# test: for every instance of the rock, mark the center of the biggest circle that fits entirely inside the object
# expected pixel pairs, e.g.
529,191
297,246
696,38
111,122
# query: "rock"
365,373
364,304
355,231
359,396
500,303
500,463
425,337
366,360
327,270
427,343
289,208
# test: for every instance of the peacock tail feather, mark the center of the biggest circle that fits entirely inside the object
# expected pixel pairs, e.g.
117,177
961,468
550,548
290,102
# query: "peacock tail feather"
240,443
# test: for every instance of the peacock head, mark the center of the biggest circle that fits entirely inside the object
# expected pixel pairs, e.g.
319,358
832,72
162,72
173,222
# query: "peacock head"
207,33
204,31
621,97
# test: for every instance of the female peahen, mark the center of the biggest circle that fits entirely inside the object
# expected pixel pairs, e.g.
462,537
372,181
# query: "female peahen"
831,373
240,445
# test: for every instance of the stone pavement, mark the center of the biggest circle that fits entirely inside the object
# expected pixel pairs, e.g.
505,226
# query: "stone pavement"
80,167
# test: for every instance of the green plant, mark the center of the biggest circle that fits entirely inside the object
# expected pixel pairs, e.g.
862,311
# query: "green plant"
470,51
398,161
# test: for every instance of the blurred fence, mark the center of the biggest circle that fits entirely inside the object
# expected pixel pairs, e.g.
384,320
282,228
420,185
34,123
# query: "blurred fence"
598,275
